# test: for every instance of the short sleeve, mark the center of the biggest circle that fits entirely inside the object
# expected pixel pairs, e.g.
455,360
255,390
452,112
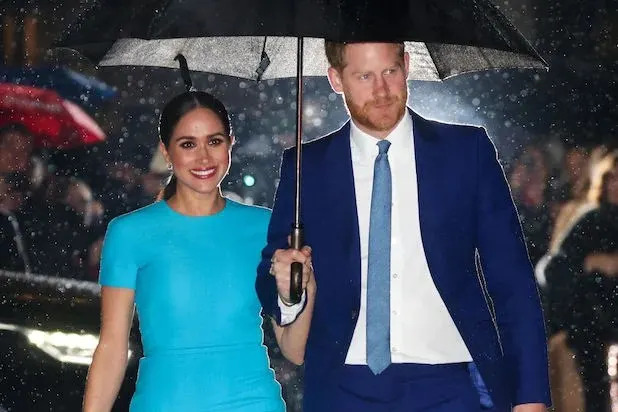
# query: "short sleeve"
118,257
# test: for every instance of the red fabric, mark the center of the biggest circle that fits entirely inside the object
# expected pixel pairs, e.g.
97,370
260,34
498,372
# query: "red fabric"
53,121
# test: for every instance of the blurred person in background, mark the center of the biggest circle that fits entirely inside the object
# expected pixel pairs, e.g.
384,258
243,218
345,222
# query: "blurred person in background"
574,173
13,253
16,146
121,192
149,184
582,283
23,176
84,216
153,181
78,197
528,181
61,220
584,195
566,383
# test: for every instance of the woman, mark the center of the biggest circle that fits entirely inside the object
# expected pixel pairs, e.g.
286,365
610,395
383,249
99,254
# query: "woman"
582,284
585,187
188,262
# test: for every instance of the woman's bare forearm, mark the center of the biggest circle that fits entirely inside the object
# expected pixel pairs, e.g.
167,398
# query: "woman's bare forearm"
105,377
109,362
292,338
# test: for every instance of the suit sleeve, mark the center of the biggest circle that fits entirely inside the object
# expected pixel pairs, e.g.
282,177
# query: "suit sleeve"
278,230
510,281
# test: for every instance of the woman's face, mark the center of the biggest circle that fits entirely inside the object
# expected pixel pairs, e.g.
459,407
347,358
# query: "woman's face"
611,186
199,151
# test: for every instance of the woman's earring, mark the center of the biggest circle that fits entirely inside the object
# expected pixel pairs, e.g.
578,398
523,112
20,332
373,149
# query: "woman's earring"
170,167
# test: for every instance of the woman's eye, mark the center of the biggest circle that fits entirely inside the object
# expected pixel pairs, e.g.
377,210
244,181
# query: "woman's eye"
187,145
215,141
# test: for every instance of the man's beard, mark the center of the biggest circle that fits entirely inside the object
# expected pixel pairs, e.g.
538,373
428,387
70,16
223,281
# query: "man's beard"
384,122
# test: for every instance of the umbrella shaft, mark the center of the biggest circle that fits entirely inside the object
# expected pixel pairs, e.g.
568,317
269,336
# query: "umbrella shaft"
299,123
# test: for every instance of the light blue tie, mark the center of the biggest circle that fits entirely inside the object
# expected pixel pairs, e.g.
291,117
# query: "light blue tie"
379,267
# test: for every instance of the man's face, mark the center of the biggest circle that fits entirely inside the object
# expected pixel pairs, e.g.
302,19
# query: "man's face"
15,151
575,162
373,84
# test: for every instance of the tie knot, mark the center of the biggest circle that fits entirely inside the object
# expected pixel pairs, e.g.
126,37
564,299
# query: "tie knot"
383,146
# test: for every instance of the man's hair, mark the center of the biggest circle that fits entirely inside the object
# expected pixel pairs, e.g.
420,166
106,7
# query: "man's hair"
335,53
14,128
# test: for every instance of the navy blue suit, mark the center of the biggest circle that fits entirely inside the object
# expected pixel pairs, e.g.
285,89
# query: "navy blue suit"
465,208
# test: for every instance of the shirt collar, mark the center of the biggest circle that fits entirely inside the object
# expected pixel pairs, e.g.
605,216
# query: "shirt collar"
400,138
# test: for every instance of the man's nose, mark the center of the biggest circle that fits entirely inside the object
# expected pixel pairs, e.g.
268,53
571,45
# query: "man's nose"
380,87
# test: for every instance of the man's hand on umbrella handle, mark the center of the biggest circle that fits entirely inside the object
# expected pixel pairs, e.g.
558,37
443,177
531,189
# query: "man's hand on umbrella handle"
280,268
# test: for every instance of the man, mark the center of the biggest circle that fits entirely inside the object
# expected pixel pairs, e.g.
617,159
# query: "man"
13,254
16,145
400,333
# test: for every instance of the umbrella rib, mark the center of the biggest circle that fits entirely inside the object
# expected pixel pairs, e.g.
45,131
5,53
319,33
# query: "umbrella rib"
432,57
264,61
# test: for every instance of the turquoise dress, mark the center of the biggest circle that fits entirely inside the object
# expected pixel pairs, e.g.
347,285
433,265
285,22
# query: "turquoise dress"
199,315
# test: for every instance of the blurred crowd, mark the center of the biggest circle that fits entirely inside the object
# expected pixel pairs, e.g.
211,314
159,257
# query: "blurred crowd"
567,199
567,196
53,223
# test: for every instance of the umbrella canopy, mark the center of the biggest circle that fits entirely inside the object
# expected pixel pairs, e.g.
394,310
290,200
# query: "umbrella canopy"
67,83
260,58
247,38
444,37
54,122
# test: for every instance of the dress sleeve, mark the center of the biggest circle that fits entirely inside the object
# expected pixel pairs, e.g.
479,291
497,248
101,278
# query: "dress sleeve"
118,258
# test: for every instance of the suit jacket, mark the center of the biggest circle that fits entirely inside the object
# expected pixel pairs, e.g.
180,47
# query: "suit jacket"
466,211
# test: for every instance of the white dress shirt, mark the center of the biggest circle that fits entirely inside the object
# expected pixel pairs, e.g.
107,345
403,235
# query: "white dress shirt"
422,330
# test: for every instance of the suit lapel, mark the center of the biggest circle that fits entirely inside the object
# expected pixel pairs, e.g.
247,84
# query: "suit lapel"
342,204
428,162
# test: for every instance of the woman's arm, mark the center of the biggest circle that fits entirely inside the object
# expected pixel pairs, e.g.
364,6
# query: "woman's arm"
292,338
605,263
110,358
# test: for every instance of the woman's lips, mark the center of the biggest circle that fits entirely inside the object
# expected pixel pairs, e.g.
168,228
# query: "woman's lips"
205,173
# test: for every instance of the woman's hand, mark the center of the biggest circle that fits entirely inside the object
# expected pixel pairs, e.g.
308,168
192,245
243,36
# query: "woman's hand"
605,263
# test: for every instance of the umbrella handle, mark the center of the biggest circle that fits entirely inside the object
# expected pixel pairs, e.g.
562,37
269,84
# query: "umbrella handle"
296,270
184,72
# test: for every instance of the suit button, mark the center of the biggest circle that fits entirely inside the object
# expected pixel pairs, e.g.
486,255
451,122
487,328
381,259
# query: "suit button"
354,314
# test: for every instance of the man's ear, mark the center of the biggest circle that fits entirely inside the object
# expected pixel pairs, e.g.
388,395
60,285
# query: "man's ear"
406,63
334,78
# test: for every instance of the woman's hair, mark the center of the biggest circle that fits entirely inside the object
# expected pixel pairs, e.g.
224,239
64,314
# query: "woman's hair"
600,163
608,164
174,110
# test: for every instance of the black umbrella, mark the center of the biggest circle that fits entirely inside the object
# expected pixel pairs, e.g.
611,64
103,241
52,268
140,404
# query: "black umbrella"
447,37
259,39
